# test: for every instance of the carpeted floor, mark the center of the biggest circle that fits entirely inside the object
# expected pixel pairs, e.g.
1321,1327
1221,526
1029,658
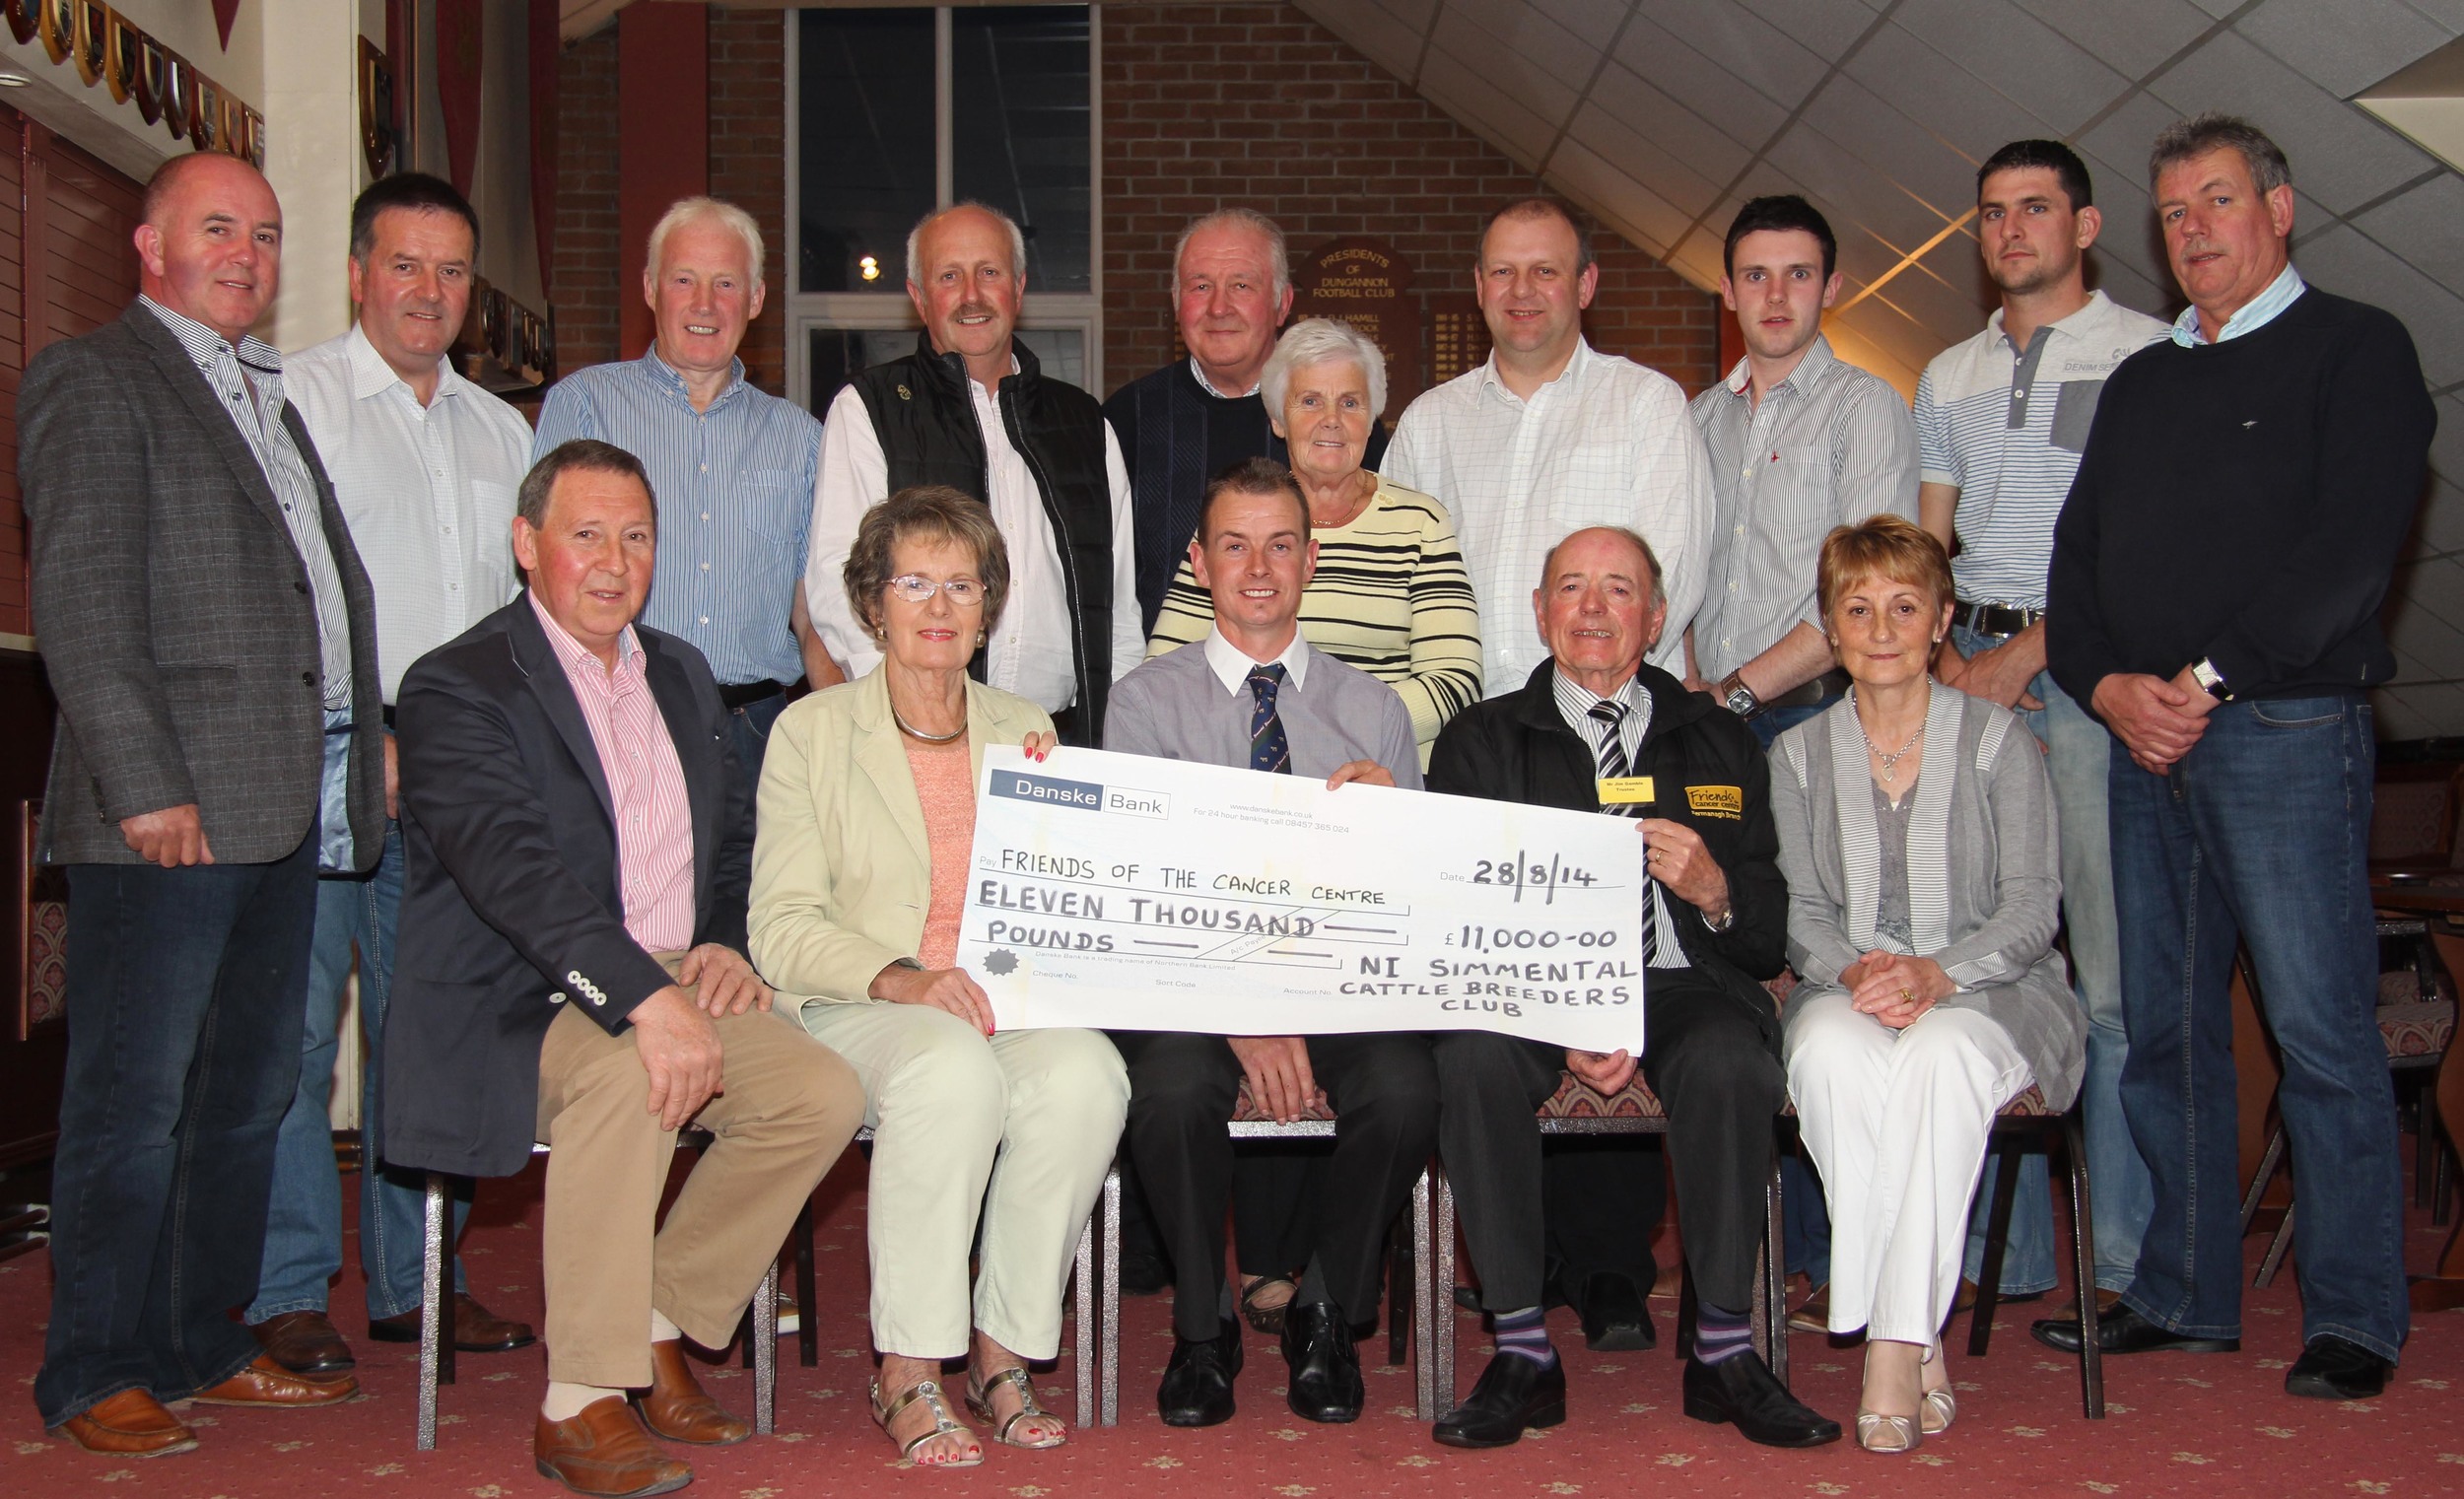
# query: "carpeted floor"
2178,1424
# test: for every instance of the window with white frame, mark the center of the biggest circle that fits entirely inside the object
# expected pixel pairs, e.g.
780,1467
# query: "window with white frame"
895,110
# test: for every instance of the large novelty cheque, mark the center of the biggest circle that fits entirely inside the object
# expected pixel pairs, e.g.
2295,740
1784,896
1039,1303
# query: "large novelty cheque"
1128,893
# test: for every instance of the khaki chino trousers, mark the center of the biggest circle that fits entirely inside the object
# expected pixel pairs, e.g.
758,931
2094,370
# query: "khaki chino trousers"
786,1111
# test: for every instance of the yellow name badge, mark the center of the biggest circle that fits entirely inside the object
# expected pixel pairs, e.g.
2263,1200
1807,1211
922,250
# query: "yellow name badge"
1717,802
1625,790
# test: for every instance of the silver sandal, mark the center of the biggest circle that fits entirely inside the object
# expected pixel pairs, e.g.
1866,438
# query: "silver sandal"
980,1403
930,1391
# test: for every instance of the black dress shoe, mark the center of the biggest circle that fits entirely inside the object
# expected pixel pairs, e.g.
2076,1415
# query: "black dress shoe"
1614,1318
1514,1393
1741,1389
2124,1330
2332,1368
1326,1367
1197,1384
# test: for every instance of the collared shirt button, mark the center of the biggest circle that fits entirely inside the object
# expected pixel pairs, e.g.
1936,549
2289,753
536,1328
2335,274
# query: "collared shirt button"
705,619
706,567
705,515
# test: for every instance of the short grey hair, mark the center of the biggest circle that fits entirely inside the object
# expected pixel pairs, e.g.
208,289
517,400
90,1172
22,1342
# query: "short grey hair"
695,209
1278,260
2215,130
1018,239
1314,341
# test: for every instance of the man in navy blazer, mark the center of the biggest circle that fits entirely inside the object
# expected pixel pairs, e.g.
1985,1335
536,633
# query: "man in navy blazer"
571,971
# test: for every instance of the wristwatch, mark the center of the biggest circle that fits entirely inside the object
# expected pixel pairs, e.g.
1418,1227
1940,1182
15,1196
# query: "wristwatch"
2203,671
1739,697
1727,918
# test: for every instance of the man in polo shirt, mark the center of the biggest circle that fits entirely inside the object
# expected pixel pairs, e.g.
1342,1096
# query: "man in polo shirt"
2001,422
733,467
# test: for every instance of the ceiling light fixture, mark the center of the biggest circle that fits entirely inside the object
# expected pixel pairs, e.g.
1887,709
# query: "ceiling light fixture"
870,267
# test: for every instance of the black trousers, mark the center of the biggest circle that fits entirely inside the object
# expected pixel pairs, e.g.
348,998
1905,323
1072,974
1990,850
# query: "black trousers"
1712,1063
1182,1088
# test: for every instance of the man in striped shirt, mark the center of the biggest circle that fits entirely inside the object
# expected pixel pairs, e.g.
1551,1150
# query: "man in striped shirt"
733,466
2001,422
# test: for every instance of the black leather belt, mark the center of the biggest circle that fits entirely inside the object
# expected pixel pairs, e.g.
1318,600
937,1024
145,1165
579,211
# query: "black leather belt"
1994,619
746,693
1821,689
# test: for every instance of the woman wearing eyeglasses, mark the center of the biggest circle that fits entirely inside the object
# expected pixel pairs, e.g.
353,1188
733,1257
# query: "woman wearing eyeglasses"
860,873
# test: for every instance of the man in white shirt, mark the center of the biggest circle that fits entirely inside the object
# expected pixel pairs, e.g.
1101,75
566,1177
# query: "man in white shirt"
426,465
972,409
1549,437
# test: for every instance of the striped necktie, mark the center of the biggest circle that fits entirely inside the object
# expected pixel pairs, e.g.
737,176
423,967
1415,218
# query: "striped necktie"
1611,715
1269,749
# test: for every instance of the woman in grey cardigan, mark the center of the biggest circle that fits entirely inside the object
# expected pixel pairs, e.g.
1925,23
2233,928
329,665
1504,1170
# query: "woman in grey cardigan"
1917,834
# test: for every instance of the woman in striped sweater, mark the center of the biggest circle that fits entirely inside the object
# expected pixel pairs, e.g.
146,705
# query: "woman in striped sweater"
1391,597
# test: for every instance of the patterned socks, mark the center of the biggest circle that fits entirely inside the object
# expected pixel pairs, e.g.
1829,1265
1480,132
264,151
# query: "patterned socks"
1720,1336
1524,1334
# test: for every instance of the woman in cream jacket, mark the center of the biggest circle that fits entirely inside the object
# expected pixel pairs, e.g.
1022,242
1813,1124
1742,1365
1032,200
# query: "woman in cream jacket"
859,872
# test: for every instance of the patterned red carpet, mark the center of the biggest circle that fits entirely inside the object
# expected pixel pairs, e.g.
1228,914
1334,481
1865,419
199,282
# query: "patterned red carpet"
2178,1424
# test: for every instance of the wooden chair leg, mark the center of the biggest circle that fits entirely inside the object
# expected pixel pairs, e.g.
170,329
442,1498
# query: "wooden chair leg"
1996,1239
2083,1267
2269,1160
807,1324
2277,1244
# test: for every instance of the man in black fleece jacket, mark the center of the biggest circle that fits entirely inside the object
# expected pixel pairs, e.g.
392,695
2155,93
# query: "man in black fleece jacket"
2216,580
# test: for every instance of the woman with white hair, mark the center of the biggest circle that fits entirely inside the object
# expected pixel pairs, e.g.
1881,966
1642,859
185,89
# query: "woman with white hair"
1391,597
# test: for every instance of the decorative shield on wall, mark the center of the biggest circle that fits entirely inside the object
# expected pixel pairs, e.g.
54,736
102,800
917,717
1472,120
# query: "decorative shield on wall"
25,19
253,138
177,82
153,71
94,24
123,60
379,127
205,110
59,28
231,128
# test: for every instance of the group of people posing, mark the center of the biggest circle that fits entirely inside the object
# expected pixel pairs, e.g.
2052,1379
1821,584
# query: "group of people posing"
2079,647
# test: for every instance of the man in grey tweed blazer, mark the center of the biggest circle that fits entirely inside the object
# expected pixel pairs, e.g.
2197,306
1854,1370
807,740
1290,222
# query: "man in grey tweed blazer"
211,640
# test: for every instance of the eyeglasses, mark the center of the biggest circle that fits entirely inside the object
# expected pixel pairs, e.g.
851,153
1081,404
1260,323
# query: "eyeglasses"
915,588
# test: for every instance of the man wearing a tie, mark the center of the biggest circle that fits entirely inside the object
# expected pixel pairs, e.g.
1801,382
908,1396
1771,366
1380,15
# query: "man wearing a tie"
1596,730
1253,693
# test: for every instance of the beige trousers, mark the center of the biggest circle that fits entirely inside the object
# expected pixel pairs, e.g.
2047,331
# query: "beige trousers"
1021,1125
786,1111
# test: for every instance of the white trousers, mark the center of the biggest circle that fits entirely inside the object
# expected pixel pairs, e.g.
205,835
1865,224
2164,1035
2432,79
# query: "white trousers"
1896,1122
1021,1125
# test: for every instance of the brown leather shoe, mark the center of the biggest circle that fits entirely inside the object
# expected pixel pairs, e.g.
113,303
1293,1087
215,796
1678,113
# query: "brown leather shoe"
305,1342
266,1383
675,1407
604,1453
1814,1314
477,1330
129,1424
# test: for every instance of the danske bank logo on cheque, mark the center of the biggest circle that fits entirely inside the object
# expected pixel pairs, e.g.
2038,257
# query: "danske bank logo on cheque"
1084,795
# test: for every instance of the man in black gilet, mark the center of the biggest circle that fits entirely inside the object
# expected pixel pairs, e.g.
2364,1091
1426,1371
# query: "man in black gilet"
972,409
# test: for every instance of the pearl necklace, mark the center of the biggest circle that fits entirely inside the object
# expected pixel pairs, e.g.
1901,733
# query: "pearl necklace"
1891,758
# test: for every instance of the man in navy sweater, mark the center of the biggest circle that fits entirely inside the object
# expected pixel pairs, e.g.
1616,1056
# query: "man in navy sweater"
2218,573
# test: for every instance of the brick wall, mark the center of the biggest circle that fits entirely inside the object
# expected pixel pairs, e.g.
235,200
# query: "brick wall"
1257,104
747,167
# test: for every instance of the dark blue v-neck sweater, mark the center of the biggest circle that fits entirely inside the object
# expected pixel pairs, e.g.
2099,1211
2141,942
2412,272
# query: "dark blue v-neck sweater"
2245,501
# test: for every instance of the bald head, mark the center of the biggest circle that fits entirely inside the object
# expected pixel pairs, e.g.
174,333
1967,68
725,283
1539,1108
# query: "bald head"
210,246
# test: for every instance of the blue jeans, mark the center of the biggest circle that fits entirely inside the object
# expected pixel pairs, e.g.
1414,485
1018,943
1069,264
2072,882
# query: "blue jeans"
304,1220
748,734
2078,755
183,1048
2261,835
